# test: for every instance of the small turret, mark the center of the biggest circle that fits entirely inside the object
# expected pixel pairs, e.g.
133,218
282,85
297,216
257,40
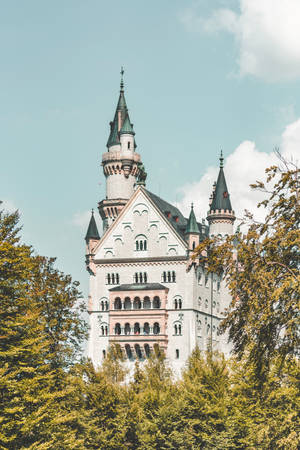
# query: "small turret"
192,233
220,215
92,236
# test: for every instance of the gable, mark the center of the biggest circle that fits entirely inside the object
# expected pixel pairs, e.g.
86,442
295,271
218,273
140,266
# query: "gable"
141,231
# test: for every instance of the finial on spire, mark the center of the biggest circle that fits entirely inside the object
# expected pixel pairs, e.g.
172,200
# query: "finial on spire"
92,211
122,81
192,205
221,160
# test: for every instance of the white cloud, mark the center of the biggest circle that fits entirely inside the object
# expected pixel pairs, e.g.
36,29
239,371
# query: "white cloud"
243,166
267,34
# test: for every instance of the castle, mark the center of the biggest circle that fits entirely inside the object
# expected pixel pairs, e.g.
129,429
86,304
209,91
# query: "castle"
145,288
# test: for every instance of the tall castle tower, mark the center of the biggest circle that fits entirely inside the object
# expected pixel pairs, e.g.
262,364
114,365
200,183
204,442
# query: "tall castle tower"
121,163
220,215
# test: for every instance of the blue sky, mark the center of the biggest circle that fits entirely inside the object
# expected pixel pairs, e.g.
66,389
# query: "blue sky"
199,76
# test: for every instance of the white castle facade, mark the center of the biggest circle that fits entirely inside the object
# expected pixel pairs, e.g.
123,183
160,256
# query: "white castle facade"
145,288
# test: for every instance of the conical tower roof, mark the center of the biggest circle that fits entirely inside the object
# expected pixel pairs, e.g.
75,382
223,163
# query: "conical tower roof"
119,118
192,226
221,197
127,127
92,231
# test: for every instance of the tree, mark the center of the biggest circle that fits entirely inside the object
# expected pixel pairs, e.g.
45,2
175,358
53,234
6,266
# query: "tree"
262,271
40,331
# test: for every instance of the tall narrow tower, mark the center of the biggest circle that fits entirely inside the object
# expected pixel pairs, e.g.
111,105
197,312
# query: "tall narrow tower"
121,164
220,215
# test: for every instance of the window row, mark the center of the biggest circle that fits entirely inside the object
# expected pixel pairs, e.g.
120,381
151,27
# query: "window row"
169,277
112,278
215,305
137,303
137,329
177,303
140,277
139,351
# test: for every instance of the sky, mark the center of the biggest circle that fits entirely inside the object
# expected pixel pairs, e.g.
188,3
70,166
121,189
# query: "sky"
200,76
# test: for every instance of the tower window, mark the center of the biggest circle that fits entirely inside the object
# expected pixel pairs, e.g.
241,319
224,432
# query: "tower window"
103,354
128,144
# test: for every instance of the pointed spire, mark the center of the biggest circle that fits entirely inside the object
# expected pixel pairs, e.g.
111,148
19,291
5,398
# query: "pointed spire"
127,127
221,197
192,226
120,116
122,81
92,231
221,160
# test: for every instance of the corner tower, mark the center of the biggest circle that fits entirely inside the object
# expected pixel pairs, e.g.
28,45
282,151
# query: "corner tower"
220,215
121,163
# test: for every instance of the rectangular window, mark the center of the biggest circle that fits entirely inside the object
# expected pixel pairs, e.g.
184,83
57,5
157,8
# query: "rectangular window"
177,353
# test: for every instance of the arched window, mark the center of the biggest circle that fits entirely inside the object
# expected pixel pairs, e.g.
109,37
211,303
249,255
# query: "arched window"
206,303
113,278
147,303
179,303
117,328
117,278
194,245
106,305
103,354
117,303
141,277
128,145
177,353
146,328
179,329
138,351
137,303
141,246
127,328
164,277
147,350
145,245
137,245
145,277
175,329
136,277
156,328
137,329
175,303
102,306
108,278
140,243
128,351
173,277
102,330
169,277
106,330
156,302
127,303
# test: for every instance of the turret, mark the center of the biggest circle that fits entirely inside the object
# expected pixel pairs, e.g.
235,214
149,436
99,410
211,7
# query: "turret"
220,215
120,162
92,235
192,233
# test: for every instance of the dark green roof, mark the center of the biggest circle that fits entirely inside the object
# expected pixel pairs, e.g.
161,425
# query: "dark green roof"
171,212
221,197
139,287
192,226
114,138
127,126
92,231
